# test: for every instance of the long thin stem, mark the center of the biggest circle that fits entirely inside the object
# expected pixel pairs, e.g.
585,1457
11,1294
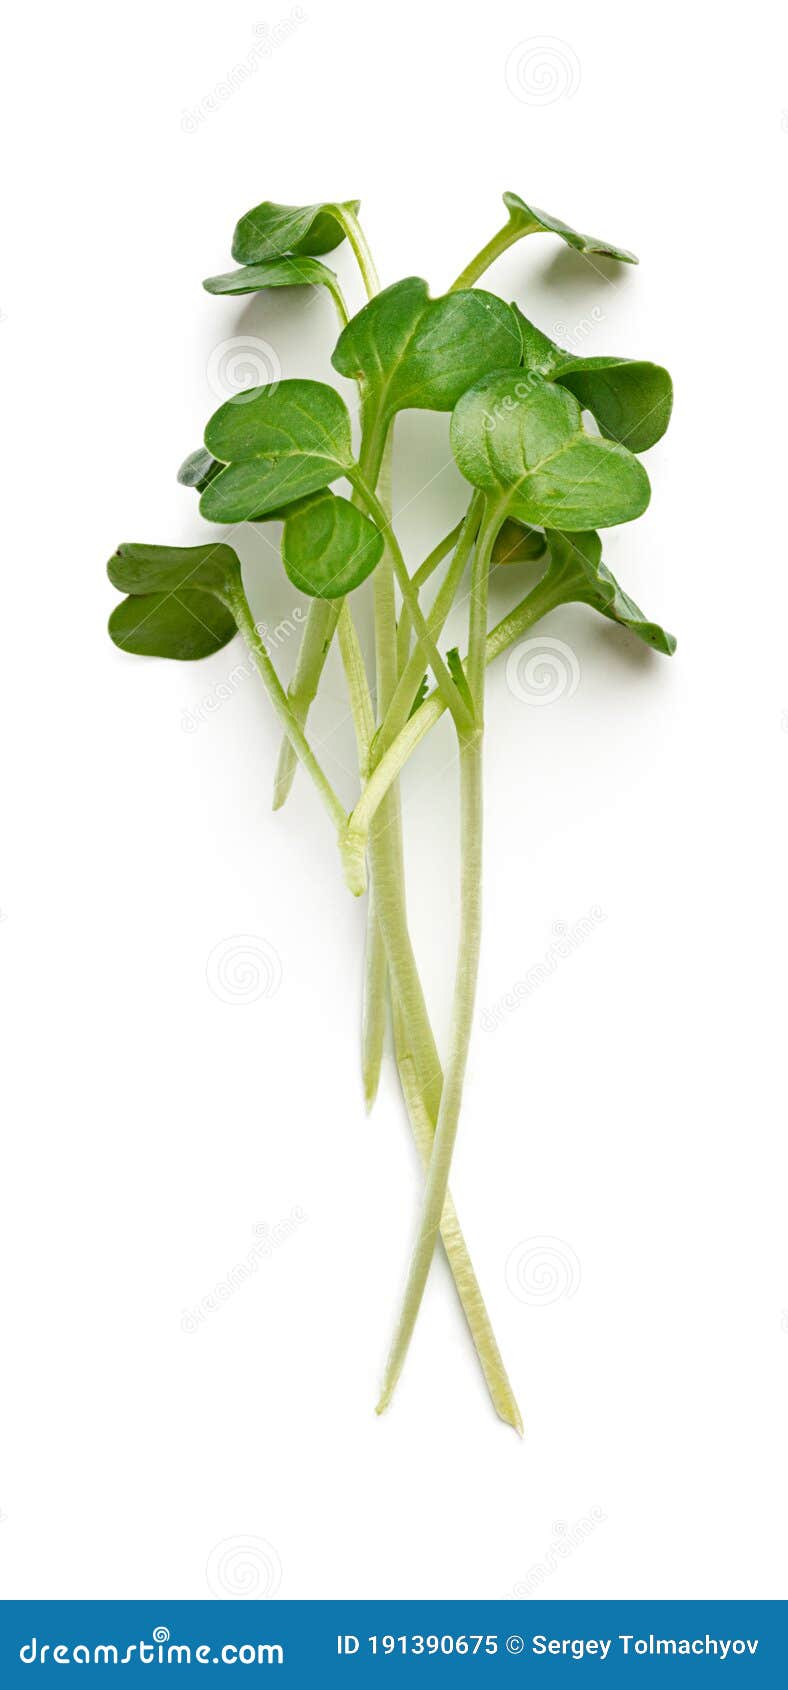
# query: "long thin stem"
321,621
544,597
456,1249
401,703
505,237
471,811
449,692
239,605
422,575
360,245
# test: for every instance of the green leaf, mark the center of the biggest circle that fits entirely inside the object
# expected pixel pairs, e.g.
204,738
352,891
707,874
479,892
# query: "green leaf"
198,469
166,569
630,399
413,352
521,440
279,443
276,273
576,559
516,543
184,625
529,220
329,547
270,230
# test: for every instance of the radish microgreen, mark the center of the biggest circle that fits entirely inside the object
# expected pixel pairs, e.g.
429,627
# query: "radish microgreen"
541,483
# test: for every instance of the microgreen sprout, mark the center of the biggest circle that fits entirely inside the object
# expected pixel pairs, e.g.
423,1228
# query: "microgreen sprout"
541,483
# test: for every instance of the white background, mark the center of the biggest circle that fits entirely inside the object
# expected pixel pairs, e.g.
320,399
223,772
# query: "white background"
633,1107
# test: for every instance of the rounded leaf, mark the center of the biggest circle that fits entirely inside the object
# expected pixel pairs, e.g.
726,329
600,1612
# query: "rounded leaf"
534,221
271,230
416,353
153,569
275,273
521,440
185,625
631,399
576,560
279,443
329,547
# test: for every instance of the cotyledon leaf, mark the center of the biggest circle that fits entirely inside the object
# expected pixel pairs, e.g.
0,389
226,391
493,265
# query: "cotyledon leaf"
528,219
413,352
631,399
179,603
200,468
278,443
270,230
137,568
329,547
576,561
523,443
185,625
275,273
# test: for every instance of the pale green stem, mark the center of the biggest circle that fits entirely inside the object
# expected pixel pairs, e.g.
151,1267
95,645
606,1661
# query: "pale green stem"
321,621
402,701
471,813
543,598
358,241
423,573
456,1249
511,232
448,690
239,606
358,688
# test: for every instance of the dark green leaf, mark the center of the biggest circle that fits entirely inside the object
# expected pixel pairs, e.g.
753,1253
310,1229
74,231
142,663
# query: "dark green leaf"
532,221
276,273
521,440
630,399
576,560
184,625
270,230
516,543
198,469
329,547
164,569
280,443
413,352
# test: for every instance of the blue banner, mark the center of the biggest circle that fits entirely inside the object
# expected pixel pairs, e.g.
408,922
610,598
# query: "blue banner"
379,1643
